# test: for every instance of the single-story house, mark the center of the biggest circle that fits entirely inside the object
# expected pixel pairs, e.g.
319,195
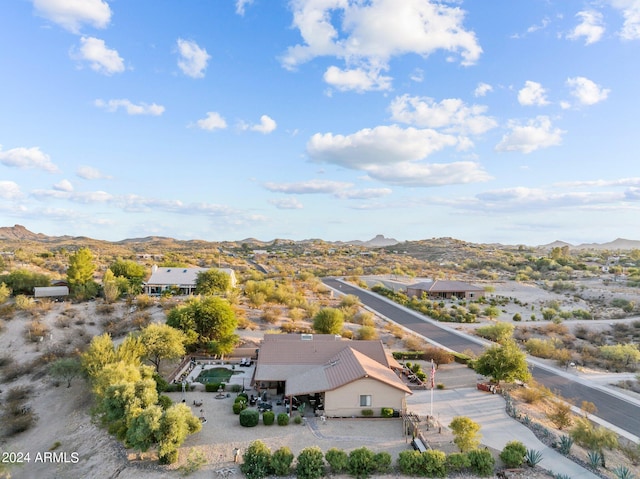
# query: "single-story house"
182,278
50,291
440,289
338,377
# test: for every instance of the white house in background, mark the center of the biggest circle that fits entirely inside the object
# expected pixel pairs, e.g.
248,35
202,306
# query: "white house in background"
50,291
182,278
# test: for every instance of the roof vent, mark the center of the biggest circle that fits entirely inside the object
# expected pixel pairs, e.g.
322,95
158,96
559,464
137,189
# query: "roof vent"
306,337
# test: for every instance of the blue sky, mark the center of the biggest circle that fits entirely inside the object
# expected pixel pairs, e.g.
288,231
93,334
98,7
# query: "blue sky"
493,121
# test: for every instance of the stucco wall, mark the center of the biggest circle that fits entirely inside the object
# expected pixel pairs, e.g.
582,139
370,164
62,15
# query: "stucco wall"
345,401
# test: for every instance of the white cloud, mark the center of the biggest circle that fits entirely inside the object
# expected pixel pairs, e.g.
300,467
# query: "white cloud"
357,79
90,173
417,75
537,133
213,121
241,4
586,91
64,185
308,187
131,108
368,34
451,114
364,194
482,89
631,12
27,158
429,174
591,27
9,190
266,125
377,146
101,59
193,59
633,181
72,14
532,94
286,204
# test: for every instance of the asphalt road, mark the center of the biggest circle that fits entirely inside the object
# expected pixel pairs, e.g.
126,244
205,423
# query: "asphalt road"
617,411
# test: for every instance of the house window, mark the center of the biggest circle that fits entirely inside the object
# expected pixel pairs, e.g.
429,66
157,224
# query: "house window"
365,400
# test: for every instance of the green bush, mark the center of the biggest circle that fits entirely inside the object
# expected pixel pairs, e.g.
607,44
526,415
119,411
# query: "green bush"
338,460
249,417
236,388
283,419
297,419
212,387
268,417
241,396
361,463
457,461
256,462
238,407
434,463
382,462
169,457
410,463
367,412
513,454
310,463
165,402
281,461
386,412
482,462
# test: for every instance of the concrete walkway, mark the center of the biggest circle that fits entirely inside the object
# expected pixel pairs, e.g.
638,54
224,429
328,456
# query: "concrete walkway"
497,428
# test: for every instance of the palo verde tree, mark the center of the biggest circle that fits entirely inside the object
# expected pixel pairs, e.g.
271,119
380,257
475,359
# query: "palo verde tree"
133,272
162,341
80,274
466,432
66,369
213,281
205,319
504,362
328,321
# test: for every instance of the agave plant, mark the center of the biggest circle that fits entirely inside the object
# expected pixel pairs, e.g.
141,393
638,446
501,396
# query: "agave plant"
623,472
533,457
595,459
564,446
561,476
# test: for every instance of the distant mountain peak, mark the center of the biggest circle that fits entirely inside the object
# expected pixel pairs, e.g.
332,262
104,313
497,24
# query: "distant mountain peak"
19,232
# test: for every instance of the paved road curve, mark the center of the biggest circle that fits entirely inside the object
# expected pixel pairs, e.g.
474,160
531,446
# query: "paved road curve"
617,411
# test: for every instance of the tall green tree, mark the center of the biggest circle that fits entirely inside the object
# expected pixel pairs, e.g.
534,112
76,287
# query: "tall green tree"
80,274
212,282
328,321
205,319
162,341
505,362
133,272
466,432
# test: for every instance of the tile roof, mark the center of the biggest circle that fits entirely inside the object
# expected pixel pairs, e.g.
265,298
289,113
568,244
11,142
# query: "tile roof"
323,363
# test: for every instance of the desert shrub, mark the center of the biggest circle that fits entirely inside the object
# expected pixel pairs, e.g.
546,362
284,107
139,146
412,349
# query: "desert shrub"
164,402
498,332
13,371
367,333
297,419
36,330
367,412
256,462
414,343
281,461
249,417
360,463
560,414
240,397
410,462
283,419
457,461
235,388
337,459
310,463
5,361
465,431
517,317
534,392
238,407
24,303
270,315
513,454
386,412
481,462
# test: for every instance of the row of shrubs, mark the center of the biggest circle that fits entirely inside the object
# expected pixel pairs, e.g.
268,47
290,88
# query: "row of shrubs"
361,463
251,418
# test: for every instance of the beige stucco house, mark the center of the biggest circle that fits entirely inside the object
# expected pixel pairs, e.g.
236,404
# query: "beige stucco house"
337,377
441,289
